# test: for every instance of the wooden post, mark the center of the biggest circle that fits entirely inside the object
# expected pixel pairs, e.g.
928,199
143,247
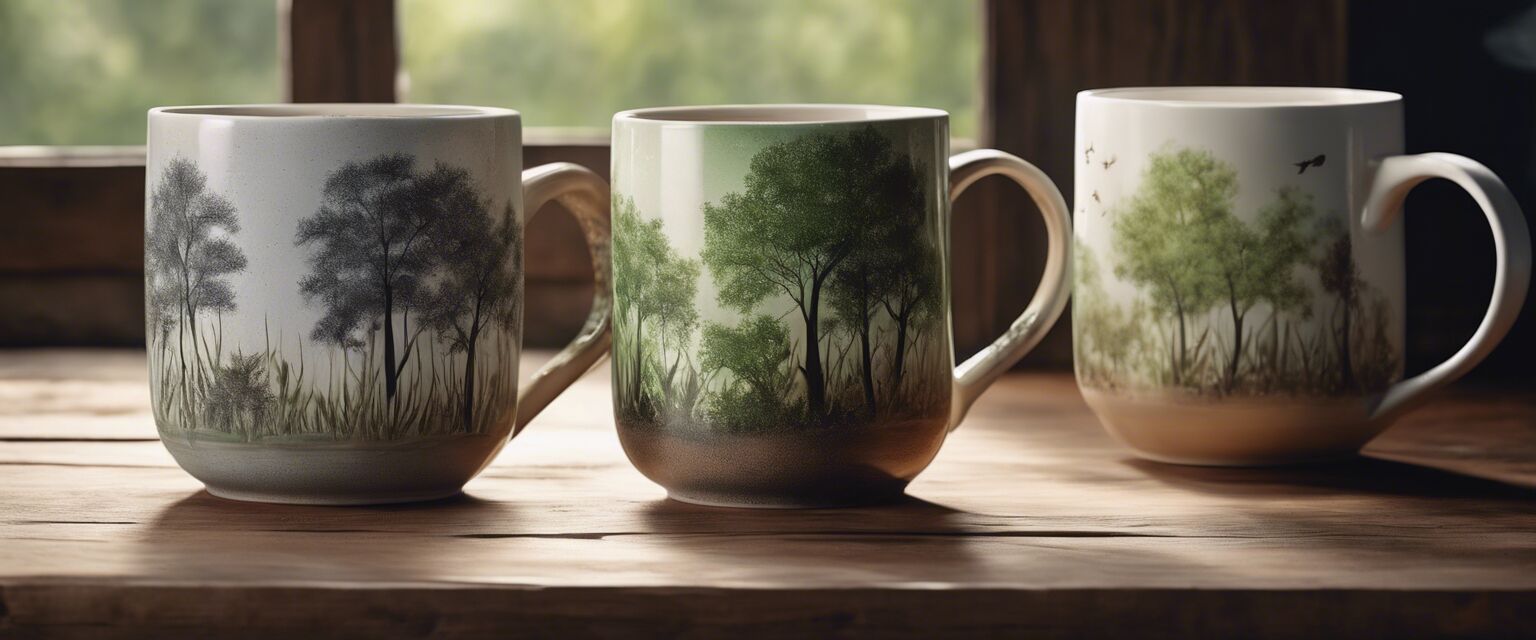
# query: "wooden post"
339,50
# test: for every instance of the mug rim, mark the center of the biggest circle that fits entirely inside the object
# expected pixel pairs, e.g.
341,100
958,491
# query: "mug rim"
311,111
788,114
1242,97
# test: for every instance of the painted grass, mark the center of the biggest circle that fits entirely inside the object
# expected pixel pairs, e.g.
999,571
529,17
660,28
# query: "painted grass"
262,395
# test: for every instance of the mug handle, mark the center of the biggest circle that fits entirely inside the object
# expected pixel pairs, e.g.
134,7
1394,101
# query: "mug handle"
979,371
1397,176
585,195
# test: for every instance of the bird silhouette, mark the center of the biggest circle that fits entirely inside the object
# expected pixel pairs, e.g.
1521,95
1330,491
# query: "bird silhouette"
1109,163
1301,167
1088,152
1096,196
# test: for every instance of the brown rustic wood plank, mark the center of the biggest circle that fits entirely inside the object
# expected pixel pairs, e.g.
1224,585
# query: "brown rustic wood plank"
1030,522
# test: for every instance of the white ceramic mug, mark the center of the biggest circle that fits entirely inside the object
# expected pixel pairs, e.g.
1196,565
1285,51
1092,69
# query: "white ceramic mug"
334,295
1239,269
781,275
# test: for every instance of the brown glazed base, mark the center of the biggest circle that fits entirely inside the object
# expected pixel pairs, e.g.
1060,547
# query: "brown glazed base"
1239,432
837,467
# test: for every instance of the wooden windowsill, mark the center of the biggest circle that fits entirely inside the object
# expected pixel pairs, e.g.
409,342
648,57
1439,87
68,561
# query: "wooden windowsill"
1031,521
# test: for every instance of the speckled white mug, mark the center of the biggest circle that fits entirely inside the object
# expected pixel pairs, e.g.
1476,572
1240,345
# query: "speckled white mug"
334,295
1239,280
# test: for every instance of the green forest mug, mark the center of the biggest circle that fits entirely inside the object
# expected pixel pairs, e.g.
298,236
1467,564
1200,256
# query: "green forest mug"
1239,288
781,288
334,295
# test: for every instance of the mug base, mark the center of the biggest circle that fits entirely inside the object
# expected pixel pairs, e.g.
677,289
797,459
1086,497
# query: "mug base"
771,501
333,472
1236,432
331,499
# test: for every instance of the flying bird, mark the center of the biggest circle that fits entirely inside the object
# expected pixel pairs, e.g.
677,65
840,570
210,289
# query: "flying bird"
1109,163
1088,152
1096,196
1301,167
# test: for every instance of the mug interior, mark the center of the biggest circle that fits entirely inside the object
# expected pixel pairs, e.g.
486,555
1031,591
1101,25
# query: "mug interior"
779,114
338,110
1245,96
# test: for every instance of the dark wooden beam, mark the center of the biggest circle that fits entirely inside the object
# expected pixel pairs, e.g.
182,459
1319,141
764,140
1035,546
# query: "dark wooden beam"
340,50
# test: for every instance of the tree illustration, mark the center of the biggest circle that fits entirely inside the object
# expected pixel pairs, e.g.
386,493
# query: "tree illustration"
800,215
1258,265
911,288
188,253
477,284
1161,237
654,289
1340,277
1105,334
890,266
239,395
758,354
369,253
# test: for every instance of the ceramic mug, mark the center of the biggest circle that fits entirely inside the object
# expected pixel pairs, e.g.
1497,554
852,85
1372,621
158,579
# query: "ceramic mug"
335,295
1239,269
782,302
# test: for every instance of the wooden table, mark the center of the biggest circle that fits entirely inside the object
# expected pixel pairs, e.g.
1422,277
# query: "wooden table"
1031,522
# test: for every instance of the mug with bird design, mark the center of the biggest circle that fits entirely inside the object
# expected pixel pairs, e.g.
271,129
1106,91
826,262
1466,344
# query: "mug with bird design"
1239,269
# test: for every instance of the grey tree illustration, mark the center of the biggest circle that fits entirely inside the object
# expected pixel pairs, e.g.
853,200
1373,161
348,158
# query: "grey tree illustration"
369,253
238,399
188,252
801,214
654,290
477,285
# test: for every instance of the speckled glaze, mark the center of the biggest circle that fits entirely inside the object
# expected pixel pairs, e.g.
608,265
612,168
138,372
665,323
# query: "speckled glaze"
334,295
745,235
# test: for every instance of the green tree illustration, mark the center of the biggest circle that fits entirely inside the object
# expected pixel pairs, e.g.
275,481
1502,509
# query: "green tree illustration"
911,286
478,284
370,253
1161,237
189,263
1258,265
654,289
757,353
890,267
1105,334
803,212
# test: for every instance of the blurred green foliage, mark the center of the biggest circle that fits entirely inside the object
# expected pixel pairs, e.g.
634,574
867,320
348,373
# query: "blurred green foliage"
573,63
85,71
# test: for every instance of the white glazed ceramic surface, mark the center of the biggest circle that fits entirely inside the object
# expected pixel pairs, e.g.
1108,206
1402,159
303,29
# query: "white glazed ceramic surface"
334,295
1239,273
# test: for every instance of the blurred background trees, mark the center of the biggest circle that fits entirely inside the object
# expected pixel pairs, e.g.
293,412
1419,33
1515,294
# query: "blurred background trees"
85,71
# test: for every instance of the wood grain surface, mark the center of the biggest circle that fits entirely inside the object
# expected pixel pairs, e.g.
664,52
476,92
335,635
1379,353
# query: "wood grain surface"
1031,522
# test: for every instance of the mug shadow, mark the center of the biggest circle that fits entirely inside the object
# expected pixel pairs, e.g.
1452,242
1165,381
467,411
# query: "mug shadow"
202,513
1357,475
898,539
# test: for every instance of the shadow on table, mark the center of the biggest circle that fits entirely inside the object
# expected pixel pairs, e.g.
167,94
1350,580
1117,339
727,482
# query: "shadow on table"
1360,475
894,537
204,512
